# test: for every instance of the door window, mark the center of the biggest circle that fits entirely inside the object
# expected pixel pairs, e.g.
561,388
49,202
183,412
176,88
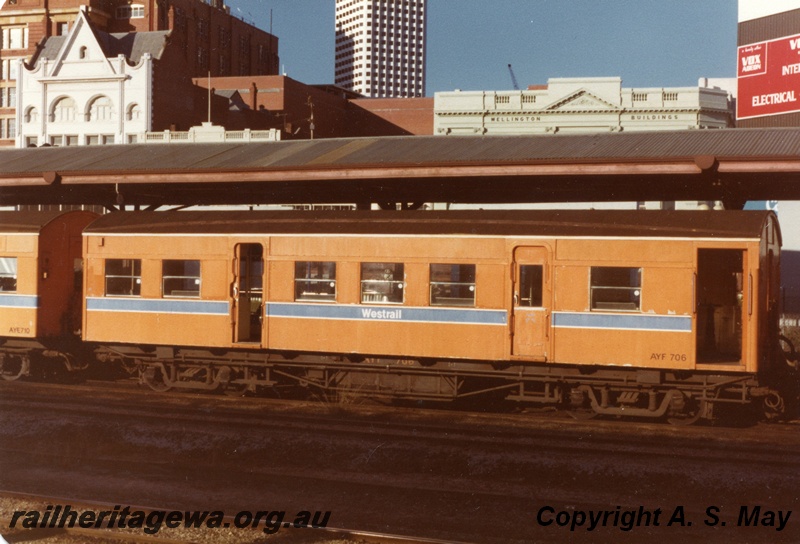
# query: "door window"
530,285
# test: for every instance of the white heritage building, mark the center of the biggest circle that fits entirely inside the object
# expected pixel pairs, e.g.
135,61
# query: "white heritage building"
88,88
581,105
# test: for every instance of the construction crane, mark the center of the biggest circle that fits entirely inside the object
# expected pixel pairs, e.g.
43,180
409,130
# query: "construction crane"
513,78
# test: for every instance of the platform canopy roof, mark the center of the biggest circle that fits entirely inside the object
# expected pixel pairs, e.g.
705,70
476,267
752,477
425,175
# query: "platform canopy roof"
732,165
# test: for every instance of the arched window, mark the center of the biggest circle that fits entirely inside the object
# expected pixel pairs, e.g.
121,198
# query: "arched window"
82,52
134,112
31,115
101,109
63,110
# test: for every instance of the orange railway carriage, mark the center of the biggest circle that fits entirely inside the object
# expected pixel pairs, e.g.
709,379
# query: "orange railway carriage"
40,287
645,313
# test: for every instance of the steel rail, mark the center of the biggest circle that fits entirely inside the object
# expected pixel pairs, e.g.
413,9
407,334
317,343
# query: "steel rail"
701,444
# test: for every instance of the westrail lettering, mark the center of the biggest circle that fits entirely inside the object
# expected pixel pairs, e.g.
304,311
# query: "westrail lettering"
369,313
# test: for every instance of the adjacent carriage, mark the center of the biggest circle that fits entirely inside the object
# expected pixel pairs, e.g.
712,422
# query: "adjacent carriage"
40,290
605,312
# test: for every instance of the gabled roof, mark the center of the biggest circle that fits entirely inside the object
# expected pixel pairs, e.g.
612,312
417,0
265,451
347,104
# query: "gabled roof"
132,45
81,26
234,98
582,100
50,48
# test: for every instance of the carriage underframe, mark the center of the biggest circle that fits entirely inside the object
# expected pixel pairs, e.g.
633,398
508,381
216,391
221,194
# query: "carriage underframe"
586,391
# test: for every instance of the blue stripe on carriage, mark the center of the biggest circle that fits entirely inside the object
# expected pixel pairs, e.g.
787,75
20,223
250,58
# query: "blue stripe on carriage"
674,323
388,313
158,306
19,301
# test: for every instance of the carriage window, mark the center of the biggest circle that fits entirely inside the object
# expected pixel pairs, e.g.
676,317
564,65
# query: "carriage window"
382,282
314,281
616,288
452,285
181,278
530,285
8,274
124,277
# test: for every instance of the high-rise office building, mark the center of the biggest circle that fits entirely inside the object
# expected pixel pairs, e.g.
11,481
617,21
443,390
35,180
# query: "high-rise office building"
380,47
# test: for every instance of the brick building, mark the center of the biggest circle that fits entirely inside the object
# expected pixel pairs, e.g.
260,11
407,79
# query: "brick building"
286,104
205,37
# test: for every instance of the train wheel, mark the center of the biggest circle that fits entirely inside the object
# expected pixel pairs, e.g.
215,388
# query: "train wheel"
774,406
129,367
226,377
686,410
789,350
14,368
580,406
154,378
236,390
583,414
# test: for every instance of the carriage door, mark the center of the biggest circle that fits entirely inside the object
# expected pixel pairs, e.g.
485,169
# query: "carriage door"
531,309
248,292
724,293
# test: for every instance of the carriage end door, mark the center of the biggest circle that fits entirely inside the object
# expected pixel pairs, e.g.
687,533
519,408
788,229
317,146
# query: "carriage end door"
530,327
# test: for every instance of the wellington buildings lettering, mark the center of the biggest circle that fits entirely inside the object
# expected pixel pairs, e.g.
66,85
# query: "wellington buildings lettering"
516,119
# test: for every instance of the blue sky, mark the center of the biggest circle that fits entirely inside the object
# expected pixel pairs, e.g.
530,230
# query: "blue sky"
648,43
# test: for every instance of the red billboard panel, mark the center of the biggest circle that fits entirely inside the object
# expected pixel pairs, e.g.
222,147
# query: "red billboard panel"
769,78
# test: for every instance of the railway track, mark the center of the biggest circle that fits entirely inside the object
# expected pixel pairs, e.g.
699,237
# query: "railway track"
414,462
456,428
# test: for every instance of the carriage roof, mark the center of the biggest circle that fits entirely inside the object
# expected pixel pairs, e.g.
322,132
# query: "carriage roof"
557,223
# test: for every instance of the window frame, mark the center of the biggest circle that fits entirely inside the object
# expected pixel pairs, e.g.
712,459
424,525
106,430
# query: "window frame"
452,301
527,278
14,275
184,293
136,280
101,109
635,290
394,285
323,267
129,11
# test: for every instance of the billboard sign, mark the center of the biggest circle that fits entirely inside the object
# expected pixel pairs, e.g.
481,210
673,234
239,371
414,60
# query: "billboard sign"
769,78
755,9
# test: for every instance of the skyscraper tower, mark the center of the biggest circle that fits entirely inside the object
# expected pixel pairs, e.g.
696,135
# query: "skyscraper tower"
380,47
